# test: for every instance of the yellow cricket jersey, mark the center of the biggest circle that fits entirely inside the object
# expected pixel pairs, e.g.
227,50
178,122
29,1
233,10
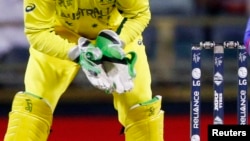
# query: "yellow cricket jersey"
53,26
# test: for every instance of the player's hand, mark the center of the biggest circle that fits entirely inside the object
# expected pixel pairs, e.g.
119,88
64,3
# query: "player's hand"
89,56
118,65
121,72
110,44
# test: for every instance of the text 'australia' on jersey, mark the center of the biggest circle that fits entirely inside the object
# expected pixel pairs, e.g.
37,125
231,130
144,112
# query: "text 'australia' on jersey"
88,16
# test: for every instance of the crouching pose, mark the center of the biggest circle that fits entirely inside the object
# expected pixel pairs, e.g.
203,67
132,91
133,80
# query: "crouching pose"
102,38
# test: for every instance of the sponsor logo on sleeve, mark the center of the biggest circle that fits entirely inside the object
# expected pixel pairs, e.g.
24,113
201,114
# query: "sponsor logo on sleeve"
30,7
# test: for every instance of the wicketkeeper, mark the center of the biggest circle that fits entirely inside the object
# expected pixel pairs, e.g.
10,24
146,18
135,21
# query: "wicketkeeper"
103,38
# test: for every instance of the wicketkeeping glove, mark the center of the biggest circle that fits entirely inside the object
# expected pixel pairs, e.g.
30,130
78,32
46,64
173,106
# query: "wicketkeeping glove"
118,65
89,56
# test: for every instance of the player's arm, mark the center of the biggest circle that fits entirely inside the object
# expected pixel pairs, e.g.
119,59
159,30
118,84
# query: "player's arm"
39,23
39,20
136,15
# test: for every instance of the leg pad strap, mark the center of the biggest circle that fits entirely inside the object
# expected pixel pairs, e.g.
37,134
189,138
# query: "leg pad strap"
29,119
145,122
